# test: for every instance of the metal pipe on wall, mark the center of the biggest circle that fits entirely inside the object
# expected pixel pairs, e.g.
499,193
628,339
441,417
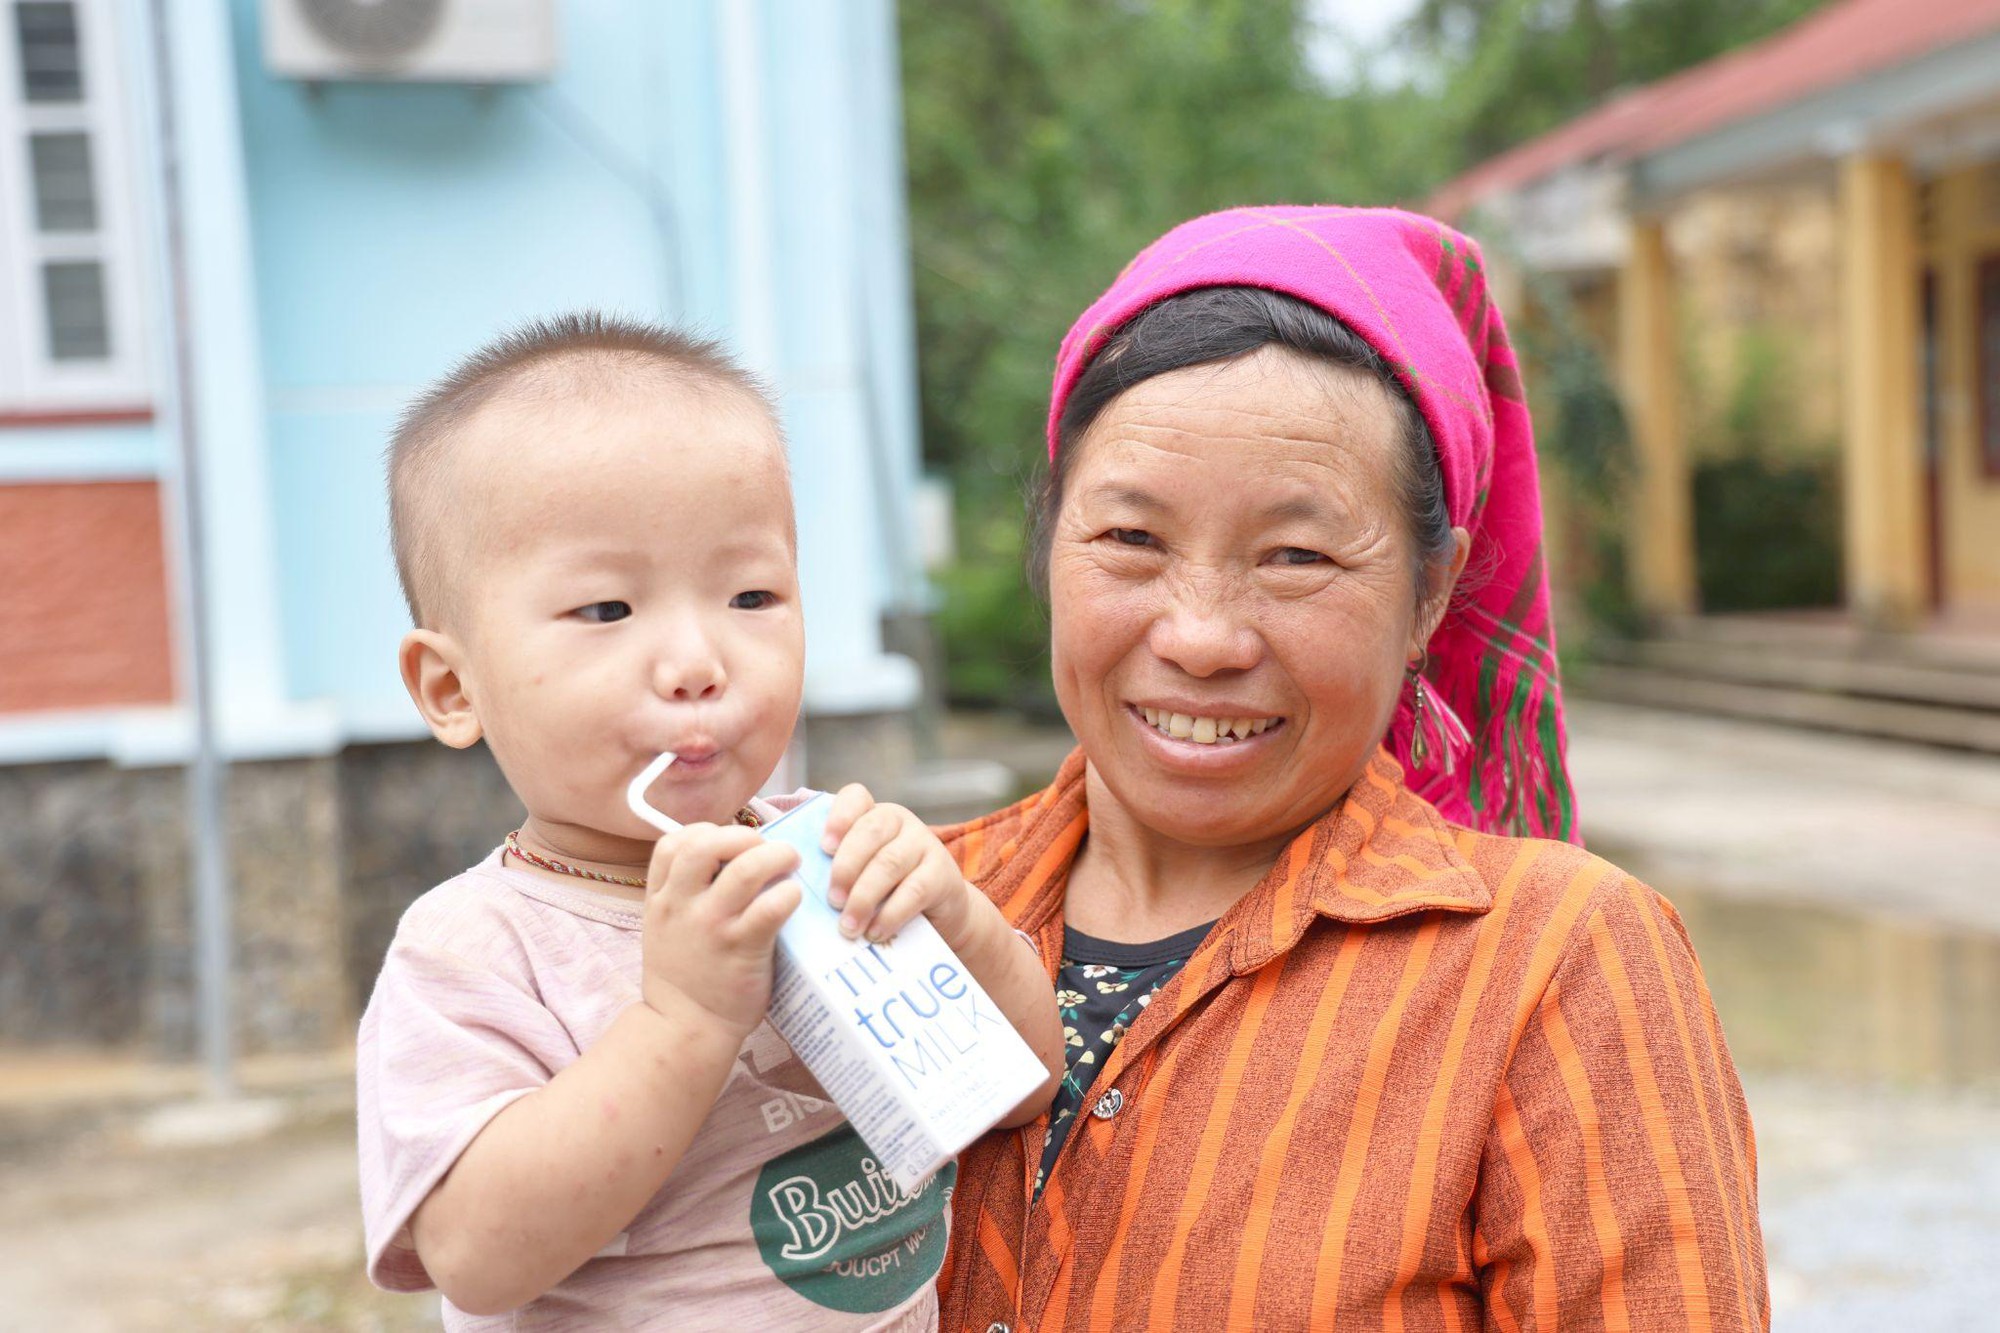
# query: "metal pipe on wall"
207,769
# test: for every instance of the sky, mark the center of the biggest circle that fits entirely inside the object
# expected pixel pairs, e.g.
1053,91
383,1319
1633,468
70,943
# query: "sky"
1350,24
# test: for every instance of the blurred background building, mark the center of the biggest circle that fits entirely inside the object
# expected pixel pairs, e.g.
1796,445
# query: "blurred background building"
1791,255
366,192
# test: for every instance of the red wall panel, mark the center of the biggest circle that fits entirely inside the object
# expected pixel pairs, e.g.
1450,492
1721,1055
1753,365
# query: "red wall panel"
83,597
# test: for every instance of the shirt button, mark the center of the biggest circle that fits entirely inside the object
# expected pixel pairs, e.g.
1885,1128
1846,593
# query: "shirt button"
1110,1104
997,1327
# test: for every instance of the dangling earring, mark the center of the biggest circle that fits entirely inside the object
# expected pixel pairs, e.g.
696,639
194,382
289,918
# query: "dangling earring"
1420,720
1435,730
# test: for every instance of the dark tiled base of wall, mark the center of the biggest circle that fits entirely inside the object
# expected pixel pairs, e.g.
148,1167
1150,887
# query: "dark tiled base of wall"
326,852
95,911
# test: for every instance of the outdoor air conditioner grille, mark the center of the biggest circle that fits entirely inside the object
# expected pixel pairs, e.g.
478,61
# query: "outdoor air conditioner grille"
400,41
374,29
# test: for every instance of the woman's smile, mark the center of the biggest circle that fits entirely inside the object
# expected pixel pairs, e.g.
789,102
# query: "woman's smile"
1206,726
1205,742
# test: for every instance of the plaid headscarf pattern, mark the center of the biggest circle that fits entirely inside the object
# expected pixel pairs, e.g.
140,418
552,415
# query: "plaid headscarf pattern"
1417,292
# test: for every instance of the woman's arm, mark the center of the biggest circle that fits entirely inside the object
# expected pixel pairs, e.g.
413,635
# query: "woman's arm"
1009,969
1619,1184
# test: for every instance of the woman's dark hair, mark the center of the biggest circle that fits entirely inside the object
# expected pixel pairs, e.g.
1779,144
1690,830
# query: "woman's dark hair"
1219,324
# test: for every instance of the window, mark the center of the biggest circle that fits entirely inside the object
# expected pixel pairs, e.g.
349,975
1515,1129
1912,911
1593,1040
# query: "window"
65,197
51,63
73,293
70,291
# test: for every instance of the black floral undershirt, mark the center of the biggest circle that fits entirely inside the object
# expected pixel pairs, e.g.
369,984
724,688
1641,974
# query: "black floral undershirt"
1101,990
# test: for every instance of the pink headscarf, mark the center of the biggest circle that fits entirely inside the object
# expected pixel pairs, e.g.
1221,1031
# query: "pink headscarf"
1416,291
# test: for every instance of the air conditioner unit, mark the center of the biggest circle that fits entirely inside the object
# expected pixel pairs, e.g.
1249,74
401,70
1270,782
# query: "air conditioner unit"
439,41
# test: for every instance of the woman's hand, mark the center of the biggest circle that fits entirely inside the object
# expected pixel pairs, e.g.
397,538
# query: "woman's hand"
888,868
713,909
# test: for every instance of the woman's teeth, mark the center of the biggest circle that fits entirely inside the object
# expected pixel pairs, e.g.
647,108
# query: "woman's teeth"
1206,730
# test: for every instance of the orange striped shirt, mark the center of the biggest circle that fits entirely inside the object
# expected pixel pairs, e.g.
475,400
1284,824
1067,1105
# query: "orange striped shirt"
1419,1078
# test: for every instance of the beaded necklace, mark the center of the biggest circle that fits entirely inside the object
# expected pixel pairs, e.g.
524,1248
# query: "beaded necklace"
746,817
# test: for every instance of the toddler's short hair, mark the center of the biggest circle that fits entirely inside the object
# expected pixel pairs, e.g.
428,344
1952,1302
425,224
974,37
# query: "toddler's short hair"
595,342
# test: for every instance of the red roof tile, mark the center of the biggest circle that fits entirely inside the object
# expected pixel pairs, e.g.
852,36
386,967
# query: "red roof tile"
1843,42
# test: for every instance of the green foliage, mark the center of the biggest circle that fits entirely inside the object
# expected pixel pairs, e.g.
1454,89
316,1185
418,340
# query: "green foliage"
1048,140
1507,70
1580,427
1580,422
994,633
1769,532
1757,415
1766,499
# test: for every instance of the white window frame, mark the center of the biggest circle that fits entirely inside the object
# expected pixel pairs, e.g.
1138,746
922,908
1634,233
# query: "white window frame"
32,383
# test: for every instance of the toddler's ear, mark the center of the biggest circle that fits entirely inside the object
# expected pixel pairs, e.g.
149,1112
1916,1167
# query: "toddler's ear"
432,673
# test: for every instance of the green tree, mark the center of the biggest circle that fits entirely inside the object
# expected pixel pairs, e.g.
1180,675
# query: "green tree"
1506,70
1049,139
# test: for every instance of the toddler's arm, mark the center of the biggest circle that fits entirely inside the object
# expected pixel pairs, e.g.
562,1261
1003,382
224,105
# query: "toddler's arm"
555,1176
888,867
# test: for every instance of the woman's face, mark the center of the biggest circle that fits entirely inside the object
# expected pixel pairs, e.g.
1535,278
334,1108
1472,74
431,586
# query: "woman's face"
1232,592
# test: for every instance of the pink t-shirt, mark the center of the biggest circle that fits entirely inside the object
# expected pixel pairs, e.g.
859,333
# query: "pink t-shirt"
776,1218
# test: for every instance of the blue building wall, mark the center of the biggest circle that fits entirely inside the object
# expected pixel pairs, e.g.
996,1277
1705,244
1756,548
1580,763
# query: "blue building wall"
398,226
394,227
730,164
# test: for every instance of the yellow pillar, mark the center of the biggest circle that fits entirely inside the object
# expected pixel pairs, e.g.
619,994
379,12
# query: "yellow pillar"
1882,456
1660,544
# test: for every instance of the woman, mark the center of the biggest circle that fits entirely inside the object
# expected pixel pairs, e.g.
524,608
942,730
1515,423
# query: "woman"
1356,1039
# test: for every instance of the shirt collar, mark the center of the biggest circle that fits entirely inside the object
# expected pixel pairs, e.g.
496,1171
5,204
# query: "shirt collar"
1381,852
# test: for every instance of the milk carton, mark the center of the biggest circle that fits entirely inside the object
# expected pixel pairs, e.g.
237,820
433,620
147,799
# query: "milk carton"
915,1054
905,1042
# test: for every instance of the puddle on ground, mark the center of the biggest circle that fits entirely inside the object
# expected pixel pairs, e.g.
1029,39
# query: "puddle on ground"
1811,990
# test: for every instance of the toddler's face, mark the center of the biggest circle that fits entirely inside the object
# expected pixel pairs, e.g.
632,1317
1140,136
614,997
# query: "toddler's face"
632,588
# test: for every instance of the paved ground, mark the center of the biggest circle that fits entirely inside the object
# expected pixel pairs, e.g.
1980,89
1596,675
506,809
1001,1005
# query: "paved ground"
1881,1211
1841,893
1778,814
107,1229
1881,1208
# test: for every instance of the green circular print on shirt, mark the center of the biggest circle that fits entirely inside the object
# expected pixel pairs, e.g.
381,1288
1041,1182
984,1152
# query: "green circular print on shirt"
843,1235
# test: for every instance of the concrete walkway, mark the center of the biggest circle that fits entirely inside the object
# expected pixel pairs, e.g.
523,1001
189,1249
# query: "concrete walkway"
1773,813
128,1218
1881,1207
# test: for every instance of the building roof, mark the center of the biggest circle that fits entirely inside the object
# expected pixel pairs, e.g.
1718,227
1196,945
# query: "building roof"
1843,42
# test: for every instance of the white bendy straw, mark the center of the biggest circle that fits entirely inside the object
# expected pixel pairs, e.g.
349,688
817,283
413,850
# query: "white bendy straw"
635,794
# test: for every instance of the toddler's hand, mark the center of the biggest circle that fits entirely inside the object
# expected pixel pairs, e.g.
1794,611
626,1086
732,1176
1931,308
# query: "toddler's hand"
888,868
712,922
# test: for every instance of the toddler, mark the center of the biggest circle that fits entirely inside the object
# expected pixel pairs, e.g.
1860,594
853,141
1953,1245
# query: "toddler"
572,1110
